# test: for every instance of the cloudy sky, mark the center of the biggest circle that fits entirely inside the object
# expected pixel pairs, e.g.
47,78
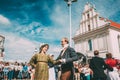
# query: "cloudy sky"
26,24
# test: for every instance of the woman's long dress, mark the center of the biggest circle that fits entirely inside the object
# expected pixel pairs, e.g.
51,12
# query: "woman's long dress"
40,62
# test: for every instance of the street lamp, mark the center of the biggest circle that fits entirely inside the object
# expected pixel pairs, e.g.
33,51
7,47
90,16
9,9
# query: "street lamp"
69,2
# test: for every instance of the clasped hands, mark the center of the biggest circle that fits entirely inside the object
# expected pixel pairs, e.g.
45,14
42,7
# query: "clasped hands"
63,61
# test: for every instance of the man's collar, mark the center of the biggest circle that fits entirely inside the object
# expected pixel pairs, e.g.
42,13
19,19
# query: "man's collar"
65,46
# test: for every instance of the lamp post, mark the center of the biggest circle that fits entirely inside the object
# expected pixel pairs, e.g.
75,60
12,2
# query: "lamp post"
69,2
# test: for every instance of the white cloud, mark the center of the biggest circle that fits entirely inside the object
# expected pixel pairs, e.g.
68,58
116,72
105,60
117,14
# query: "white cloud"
38,30
22,49
4,20
18,48
61,20
59,16
105,9
32,32
55,50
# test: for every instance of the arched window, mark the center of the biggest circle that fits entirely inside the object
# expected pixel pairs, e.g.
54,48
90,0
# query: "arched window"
88,16
89,28
90,44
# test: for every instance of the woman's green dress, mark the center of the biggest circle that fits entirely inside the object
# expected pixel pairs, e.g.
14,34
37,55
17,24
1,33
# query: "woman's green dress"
40,62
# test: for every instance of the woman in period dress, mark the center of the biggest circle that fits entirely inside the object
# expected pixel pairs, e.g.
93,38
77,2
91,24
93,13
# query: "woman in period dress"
40,62
112,75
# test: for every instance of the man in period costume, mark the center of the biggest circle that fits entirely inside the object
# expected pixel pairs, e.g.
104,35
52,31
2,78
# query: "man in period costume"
67,56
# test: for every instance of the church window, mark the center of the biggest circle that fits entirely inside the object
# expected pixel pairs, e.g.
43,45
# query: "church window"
90,44
88,27
88,16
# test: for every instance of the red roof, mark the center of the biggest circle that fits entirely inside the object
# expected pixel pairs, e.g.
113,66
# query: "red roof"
114,24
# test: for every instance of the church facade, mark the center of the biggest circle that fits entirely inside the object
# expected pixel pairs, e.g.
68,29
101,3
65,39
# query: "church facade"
97,33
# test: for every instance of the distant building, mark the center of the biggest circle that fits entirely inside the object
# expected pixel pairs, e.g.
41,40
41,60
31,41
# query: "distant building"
2,39
97,33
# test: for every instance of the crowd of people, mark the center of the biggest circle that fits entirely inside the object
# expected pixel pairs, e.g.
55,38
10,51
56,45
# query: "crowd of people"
98,68
15,70
67,66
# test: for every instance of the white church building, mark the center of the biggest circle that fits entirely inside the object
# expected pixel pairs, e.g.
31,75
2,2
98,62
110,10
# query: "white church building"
97,33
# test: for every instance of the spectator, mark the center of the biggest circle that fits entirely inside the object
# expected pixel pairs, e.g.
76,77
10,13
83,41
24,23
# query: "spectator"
1,74
113,75
51,69
98,66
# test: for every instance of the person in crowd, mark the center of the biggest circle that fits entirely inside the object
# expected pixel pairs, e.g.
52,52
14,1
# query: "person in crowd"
25,71
112,75
40,62
29,71
87,72
76,74
81,71
20,74
10,73
67,56
1,74
51,70
98,66
16,71
5,70
57,71
32,74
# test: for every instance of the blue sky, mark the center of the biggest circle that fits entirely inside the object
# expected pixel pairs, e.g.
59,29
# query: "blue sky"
26,24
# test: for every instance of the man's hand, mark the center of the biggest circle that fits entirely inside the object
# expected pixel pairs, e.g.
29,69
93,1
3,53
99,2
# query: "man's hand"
63,61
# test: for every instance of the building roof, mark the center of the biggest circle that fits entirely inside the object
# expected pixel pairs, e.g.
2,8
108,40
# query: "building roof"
112,23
